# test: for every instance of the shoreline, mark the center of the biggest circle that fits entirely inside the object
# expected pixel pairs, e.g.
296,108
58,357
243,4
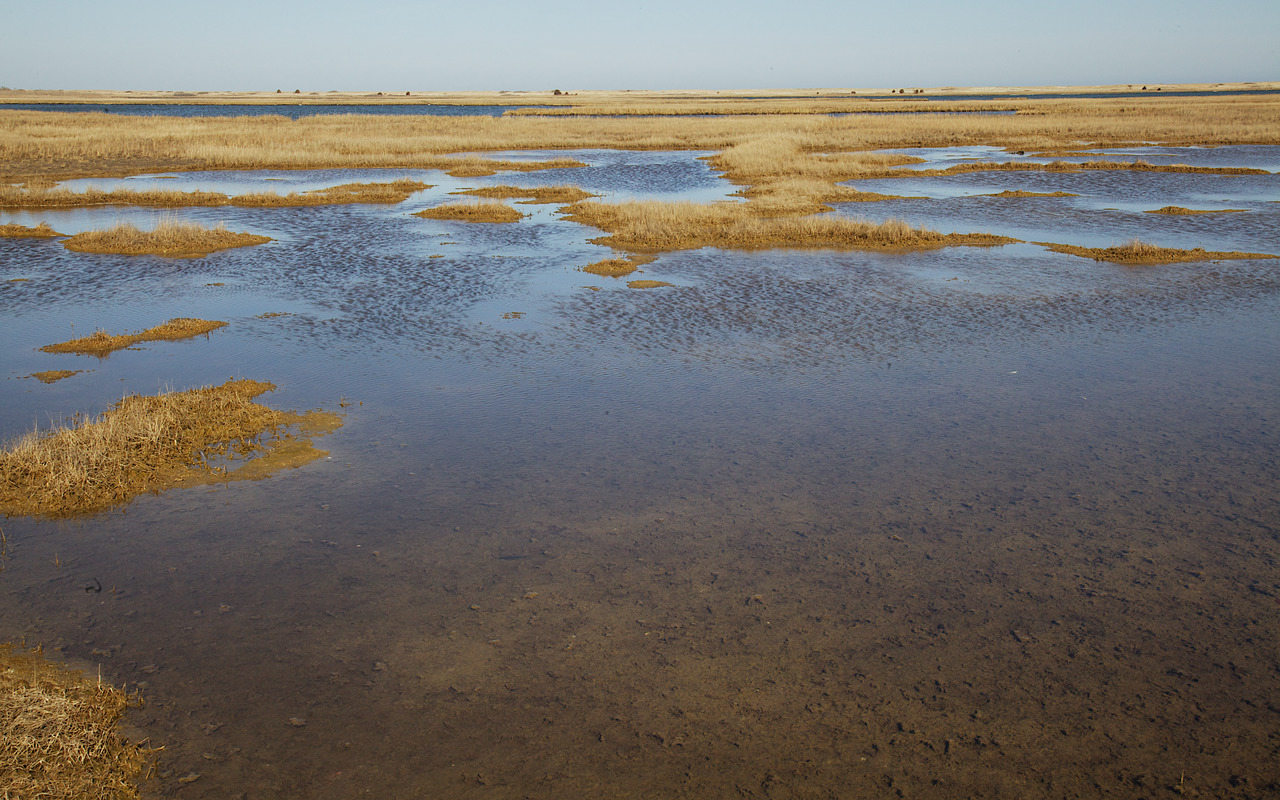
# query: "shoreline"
576,97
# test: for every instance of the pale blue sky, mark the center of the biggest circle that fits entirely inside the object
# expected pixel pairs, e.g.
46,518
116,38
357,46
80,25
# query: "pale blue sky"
386,45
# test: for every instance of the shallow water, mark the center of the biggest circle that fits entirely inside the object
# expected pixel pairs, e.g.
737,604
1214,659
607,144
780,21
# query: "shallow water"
290,110
976,521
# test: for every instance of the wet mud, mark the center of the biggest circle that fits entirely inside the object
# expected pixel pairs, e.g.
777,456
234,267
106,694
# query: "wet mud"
962,523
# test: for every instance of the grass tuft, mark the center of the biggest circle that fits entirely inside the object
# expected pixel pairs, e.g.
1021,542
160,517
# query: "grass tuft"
41,231
1136,252
1182,212
171,238
477,211
540,194
59,733
651,226
101,343
618,267
145,444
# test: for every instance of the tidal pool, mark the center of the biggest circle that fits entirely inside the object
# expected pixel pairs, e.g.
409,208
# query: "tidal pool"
970,522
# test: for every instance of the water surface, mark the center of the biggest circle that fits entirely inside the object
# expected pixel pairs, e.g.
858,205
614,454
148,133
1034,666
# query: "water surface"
976,521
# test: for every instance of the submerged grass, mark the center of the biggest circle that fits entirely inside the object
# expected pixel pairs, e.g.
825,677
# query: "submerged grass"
41,231
1021,193
651,227
141,444
59,733
477,211
172,238
101,343
1139,253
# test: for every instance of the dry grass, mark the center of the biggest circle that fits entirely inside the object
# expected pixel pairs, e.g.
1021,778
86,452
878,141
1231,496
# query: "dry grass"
54,375
652,227
618,267
540,194
1183,212
59,735
478,211
172,238
41,231
347,193
1021,193
141,444
1139,253
647,284
392,192
1070,166
101,343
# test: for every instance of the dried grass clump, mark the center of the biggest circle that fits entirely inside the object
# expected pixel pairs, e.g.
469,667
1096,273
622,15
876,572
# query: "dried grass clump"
1182,212
43,197
101,343
1071,166
539,194
618,267
41,231
651,227
647,284
59,736
141,444
170,238
478,211
474,167
347,193
1021,193
1136,252
54,375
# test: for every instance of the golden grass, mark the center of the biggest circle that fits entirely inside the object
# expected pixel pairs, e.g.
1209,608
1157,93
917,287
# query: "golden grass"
478,211
647,284
101,343
618,267
1070,166
347,193
41,231
1183,212
540,194
171,238
59,733
1021,193
651,227
55,375
1139,253
392,192
141,444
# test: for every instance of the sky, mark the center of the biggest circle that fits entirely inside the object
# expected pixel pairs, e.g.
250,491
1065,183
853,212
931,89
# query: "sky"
426,45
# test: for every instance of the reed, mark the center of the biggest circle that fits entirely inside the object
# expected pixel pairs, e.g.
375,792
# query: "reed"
141,444
41,231
1139,253
100,343
60,733
477,211
171,238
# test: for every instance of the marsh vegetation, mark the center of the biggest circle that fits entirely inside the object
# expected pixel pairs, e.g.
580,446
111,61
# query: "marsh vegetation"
172,238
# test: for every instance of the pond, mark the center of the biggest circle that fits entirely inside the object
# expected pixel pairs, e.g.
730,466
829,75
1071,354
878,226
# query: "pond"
972,521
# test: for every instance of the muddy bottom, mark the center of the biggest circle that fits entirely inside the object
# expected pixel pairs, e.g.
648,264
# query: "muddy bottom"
967,523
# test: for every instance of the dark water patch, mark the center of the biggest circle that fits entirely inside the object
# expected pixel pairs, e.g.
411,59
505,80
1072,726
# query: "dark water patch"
290,110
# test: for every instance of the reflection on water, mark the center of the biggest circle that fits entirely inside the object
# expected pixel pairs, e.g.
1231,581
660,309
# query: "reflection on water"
967,522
